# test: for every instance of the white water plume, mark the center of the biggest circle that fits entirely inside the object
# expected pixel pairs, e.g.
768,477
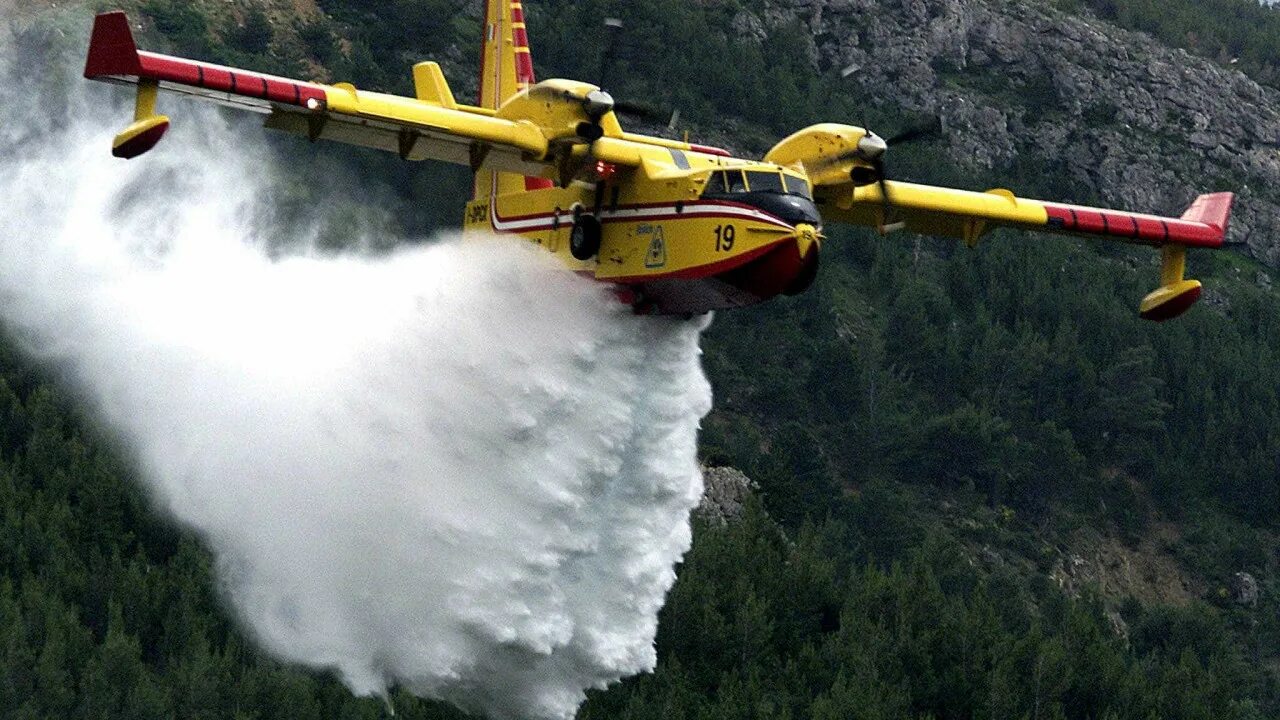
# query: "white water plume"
455,468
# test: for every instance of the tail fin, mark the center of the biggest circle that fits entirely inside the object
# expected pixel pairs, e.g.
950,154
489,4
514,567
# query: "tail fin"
505,65
111,47
506,68
1213,210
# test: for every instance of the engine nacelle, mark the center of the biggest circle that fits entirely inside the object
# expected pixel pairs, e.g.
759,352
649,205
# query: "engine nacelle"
827,152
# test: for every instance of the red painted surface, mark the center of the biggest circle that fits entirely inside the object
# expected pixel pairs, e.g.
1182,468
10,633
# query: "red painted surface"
766,273
141,143
704,271
525,78
774,273
112,52
111,47
1203,225
1213,210
709,150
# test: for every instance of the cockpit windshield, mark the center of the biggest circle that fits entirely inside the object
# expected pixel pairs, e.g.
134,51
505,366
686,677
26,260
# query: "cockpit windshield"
780,194
765,181
797,186
729,182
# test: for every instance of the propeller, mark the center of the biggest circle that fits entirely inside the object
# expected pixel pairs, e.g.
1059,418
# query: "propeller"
872,148
598,103
613,32
934,127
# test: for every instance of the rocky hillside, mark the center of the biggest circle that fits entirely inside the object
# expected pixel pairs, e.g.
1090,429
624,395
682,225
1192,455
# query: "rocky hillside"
1127,121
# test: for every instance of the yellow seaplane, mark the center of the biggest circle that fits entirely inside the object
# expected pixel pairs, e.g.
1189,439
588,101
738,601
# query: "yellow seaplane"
677,227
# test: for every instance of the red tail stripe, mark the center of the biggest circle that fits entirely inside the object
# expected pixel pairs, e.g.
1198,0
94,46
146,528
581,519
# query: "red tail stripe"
524,68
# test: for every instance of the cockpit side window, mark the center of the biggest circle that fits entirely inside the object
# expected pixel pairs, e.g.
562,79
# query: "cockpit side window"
765,181
797,186
715,184
737,183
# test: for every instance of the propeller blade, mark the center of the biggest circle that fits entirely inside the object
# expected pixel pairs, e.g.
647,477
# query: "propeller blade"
878,165
640,110
612,30
926,130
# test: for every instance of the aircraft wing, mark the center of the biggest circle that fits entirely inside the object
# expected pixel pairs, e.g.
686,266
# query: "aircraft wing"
969,215
431,126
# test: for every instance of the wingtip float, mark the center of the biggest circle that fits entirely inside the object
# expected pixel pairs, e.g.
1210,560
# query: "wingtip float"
678,227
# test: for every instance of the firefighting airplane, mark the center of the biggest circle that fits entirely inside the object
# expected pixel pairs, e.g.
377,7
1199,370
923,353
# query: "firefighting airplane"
678,228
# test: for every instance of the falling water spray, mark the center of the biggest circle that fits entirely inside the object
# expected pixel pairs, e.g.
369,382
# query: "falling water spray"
454,468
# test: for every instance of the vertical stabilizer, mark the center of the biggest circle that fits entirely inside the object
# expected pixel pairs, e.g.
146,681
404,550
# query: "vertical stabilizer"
506,68
505,65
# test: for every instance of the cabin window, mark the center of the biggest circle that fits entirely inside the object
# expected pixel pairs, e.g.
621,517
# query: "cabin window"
765,181
797,186
725,182
715,184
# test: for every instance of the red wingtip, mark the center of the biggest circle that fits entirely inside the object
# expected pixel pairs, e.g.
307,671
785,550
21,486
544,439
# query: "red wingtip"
1213,210
111,47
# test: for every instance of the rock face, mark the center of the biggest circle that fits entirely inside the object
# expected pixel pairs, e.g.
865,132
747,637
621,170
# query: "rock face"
1126,120
726,491
1244,589
1147,572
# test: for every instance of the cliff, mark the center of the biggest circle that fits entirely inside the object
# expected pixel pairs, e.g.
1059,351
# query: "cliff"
1127,121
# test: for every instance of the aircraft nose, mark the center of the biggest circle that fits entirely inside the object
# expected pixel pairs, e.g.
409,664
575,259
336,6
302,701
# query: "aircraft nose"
808,239
809,249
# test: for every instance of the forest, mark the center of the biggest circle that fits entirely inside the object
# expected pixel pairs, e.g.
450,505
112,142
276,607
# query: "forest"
931,429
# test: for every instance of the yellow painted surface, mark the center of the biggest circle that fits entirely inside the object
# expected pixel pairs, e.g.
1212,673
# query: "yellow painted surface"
516,132
929,210
1166,293
414,114
814,149
644,247
144,105
431,87
1173,264
137,128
